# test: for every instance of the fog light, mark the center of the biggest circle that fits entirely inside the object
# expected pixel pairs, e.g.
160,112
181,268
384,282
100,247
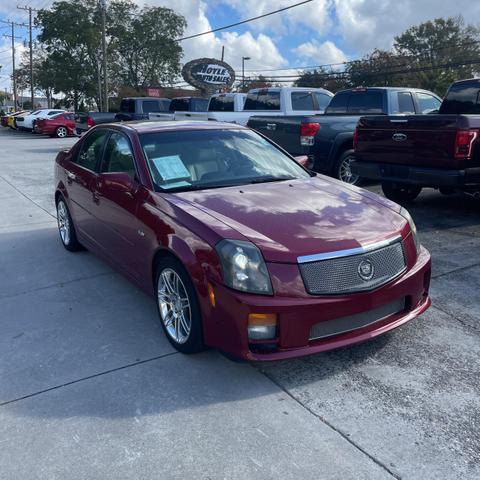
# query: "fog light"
262,326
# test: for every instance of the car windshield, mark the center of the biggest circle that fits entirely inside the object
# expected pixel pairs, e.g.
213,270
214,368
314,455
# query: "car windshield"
203,159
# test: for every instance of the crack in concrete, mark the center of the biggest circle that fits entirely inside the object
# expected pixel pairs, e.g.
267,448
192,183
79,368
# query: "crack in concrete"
89,377
58,284
27,197
330,425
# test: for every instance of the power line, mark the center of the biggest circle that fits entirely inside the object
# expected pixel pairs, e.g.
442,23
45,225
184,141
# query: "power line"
244,21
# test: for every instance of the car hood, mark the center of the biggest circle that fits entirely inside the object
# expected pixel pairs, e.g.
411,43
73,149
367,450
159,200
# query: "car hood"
289,219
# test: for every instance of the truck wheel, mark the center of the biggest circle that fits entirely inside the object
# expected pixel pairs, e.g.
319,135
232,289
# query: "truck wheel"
400,192
342,169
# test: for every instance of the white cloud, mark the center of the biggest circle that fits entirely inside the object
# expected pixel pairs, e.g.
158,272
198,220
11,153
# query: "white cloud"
322,53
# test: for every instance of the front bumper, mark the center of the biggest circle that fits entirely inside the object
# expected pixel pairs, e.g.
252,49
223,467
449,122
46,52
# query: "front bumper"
424,177
296,316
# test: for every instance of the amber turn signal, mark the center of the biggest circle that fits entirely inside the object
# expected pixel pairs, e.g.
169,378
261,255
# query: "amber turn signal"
262,326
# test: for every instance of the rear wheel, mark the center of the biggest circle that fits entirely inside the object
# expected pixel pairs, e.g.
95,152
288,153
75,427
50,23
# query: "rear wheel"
342,169
61,132
178,306
400,192
66,228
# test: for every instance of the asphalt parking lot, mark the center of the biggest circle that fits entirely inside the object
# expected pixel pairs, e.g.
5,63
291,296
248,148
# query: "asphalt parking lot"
91,389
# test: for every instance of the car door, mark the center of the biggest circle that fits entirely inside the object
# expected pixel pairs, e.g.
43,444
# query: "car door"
117,195
80,180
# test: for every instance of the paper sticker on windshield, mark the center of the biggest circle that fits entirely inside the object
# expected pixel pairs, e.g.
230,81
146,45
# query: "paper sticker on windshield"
171,168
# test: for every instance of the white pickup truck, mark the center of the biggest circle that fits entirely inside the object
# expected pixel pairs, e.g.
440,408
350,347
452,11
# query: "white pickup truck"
239,107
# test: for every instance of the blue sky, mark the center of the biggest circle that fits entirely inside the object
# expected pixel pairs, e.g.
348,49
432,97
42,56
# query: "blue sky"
320,32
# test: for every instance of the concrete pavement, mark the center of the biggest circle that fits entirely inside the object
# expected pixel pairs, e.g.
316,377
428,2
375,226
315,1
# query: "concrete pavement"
90,388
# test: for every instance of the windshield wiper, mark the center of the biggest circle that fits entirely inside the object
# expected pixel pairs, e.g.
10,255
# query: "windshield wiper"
272,179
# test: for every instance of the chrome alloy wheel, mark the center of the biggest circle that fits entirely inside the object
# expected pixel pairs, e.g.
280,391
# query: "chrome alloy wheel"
174,305
63,222
345,172
62,132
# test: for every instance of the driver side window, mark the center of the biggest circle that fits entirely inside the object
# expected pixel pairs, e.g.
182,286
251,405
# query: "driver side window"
91,150
118,155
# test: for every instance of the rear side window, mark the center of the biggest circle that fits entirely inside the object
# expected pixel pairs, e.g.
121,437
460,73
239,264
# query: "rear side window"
149,106
302,101
180,105
462,98
199,104
221,104
323,100
127,106
427,103
405,103
91,150
263,100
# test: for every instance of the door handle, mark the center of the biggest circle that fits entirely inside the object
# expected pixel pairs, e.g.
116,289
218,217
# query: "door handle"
71,177
271,126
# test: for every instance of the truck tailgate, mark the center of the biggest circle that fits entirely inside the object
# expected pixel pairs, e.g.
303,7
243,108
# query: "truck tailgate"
420,140
283,130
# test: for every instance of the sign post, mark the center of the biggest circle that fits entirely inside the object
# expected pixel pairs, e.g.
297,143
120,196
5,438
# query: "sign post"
209,75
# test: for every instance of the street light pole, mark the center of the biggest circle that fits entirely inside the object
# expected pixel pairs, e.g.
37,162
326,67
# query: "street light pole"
243,71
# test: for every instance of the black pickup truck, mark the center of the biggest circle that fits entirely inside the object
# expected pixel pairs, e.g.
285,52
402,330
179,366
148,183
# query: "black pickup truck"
407,153
328,138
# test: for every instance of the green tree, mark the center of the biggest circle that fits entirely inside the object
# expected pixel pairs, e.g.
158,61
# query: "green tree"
431,46
140,46
323,78
144,44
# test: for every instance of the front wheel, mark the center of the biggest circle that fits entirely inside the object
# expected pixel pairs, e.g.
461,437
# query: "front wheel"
400,192
178,306
61,132
343,170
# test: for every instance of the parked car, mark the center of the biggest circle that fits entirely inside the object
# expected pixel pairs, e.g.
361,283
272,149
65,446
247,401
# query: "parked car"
27,122
138,108
328,139
60,125
440,150
183,108
86,120
220,105
280,102
4,120
242,248
11,118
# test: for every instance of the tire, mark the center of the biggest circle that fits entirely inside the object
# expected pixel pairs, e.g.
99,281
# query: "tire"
61,132
400,192
66,229
177,300
342,171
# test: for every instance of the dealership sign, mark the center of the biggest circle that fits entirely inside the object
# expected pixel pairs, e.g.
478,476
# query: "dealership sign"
208,74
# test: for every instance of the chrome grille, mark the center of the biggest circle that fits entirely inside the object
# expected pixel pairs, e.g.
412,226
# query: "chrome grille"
359,320
342,275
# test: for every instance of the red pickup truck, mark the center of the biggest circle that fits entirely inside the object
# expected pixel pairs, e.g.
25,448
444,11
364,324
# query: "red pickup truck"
439,150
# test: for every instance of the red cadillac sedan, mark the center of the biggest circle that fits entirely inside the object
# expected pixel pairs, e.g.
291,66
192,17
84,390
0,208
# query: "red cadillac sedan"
61,125
243,248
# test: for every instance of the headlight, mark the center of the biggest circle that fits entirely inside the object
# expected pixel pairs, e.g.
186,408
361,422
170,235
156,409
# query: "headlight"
243,267
404,213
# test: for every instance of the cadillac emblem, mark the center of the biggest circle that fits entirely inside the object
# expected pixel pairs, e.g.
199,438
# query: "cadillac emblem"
366,270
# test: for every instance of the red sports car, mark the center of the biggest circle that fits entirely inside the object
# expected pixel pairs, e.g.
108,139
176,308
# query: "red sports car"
61,125
243,248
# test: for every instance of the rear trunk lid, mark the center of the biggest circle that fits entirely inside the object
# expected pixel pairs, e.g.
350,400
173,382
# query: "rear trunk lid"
420,140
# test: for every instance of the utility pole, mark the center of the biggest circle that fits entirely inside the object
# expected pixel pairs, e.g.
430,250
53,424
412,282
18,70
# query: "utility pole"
103,7
30,29
13,37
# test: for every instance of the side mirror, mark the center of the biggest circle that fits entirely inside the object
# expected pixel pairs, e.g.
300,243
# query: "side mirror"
304,161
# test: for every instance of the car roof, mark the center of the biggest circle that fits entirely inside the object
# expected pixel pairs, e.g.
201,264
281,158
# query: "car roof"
162,126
